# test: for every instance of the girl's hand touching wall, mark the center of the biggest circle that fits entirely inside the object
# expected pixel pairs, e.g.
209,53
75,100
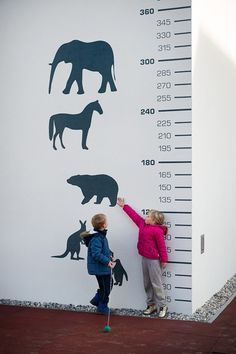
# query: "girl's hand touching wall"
121,202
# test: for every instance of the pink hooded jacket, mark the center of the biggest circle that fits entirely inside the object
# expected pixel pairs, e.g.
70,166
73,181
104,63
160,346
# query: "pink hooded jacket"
151,243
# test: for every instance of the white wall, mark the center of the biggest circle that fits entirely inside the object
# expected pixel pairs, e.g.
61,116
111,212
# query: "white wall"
214,149
39,209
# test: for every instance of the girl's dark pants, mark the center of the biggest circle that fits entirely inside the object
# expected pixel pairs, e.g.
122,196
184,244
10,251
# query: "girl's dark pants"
105,283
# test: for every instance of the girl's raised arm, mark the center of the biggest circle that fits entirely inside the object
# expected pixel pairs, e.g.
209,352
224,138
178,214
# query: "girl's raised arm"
137,219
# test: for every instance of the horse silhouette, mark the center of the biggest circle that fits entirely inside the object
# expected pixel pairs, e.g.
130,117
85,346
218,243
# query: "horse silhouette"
94,56
73,244
80,121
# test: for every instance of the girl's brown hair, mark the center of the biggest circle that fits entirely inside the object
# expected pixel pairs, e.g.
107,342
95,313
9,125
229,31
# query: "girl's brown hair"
98,221
157,216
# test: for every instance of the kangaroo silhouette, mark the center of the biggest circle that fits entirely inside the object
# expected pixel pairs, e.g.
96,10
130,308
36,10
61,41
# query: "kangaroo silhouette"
96,185
73,244
94,56
80,121
119,272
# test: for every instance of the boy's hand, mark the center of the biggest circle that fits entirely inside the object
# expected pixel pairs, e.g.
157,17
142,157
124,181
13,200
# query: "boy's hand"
112,264
121,202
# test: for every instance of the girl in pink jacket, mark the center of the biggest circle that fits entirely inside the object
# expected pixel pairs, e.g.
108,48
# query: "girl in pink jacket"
152,248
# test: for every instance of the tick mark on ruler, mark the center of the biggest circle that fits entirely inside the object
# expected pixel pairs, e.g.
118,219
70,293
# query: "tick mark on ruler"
182,46
175,8
183,200
183,147
183,275
183,238
183,96
176,262
178,187
174,162
183,225
182,287
184,122
180,33
174,110
184,84
182,71
183,135
183,174
177,212
180,250
183,20
175,59
183,300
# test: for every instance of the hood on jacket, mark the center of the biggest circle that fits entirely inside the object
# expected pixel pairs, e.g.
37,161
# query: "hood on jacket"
163,227
86,237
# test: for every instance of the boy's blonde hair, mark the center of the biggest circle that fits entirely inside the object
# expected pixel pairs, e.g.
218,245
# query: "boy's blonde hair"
157,216
98,220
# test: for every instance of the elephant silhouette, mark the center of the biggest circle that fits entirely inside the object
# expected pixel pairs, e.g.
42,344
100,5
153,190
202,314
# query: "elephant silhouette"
80,121
100,185
94,56
119,272
73,244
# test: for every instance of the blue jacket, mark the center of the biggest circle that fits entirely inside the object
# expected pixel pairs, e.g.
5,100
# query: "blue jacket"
99,254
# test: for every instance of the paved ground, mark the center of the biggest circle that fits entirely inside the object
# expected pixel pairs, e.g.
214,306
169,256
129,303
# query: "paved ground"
30,330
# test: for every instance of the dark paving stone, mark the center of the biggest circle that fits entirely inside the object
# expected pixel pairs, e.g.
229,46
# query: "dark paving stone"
42,331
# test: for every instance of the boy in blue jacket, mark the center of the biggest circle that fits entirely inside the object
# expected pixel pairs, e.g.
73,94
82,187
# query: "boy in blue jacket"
100,261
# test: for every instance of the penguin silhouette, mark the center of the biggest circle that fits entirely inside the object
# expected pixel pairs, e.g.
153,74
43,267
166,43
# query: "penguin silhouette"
118,272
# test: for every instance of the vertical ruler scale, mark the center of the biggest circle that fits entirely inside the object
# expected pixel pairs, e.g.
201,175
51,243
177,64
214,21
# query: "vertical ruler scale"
172,113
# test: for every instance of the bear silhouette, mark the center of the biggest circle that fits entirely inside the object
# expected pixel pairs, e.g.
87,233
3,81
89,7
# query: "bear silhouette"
73,243
100,186
119,272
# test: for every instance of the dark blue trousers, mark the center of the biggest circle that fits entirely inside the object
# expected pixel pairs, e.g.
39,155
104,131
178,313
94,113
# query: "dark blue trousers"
105,283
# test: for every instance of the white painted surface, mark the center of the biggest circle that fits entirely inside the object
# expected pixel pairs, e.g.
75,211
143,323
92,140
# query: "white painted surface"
40,210
214,126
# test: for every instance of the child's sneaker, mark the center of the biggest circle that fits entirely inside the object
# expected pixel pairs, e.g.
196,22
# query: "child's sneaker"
163,311
95,300
102,309
150,309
